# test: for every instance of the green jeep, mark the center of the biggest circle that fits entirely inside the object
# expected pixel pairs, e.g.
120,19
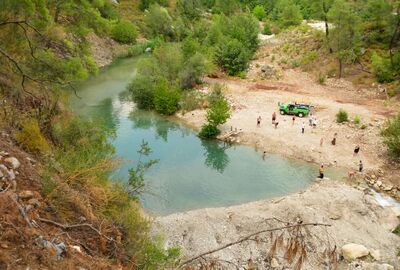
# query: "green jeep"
300,110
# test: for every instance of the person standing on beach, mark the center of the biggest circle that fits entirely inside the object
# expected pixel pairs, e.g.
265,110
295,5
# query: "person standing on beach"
321,171
360,166
334,139
273,117
303,127
356,150
276,124
293,118
258,121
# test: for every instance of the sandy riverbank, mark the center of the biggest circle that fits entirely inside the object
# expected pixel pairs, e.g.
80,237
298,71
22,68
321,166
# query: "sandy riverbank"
354,216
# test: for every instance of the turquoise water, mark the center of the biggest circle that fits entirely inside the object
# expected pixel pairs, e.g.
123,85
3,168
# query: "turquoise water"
191,173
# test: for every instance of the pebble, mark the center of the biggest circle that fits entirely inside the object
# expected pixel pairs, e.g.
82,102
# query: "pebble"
26,194
12,162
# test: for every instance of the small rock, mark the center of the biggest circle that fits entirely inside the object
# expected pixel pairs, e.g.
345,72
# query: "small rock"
274,263
12,163
77,248
34,202
28,208
373,176
387,187
376,254
26,194
353,251
3,245
379,183
11,174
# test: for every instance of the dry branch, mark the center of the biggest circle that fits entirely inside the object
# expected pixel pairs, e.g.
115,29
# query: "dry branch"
249,237
72,226
21,210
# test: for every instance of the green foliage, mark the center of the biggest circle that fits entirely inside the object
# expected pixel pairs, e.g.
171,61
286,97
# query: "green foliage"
209,131
136,182
191,100
396,231
391,136
140,48
217,115
166,99
232,56
357,120
226,7
321,78
267,29
190,9
345,36
288,13
158,22
124,32
342,116
259,12
195,67
145,4
32,139
216,94
381,68
142,90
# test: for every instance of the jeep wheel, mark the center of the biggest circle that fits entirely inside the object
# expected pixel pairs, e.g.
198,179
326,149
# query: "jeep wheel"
282,112
301,115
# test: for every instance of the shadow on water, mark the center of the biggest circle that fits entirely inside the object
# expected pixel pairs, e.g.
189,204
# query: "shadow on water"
216,158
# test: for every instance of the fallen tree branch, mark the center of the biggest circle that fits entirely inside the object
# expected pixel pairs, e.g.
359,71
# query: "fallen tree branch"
248,237
72,226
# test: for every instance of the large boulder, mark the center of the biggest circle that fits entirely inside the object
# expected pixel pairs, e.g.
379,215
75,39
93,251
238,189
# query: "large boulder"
354,251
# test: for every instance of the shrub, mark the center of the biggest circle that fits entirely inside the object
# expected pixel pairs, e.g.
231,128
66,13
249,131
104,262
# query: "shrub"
31,138
142,90
289,14
382,69
342,116
194,69
124,32
166,99
391,92
321,78
216,94
232,56
209,131
391,136
191,100
357,120
158,22
267,29
259,12
363,126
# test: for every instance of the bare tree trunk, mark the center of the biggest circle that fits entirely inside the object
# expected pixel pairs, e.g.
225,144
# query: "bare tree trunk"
325,9
340,68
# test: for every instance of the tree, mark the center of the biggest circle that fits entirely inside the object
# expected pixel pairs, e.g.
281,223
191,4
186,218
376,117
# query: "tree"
345,40
166,98
289,13
377,17
259,12
391,136
158,22
320,9
217,115
232,56
124,31
190,9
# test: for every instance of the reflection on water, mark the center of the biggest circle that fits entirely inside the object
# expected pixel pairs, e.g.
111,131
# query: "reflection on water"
191,173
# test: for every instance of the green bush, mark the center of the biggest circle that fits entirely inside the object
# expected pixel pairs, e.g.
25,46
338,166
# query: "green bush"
232,56
142,90
381,68
124,32
391,136
321,78
166,99
342,116
159,22
259,12
357,120
289,14
32,139
191,100
209,131
391,92
193,70
267,29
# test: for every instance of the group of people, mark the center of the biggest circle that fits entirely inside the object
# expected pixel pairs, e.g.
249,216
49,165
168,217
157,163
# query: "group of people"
313,123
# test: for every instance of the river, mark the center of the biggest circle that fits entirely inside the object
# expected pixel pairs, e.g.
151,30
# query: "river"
191,173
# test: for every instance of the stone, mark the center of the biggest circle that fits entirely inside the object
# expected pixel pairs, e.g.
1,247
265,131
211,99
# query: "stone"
26,194
11,174
1,174
373,176
376,254
379,183
354,251
3,245
12,163
377,266
274,263
387,187
34,202
268,70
